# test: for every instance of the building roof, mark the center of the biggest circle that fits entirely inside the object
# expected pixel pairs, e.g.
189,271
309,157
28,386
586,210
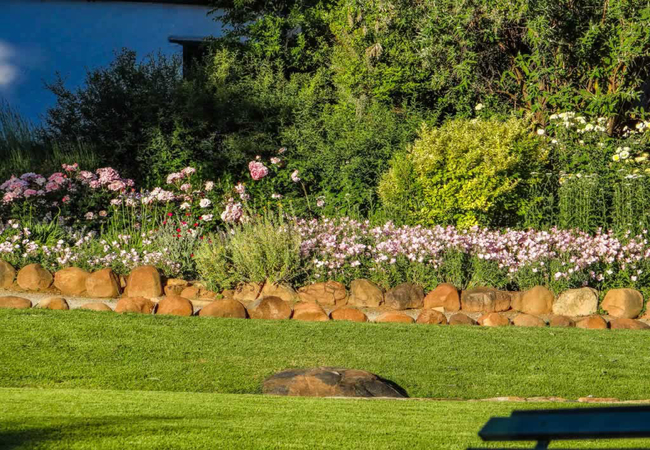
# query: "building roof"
188,40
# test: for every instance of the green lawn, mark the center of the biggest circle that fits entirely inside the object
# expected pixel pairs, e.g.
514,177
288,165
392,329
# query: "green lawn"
90,350
68,419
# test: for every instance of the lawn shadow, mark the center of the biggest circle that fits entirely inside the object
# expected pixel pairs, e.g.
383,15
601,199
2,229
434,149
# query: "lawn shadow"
12,436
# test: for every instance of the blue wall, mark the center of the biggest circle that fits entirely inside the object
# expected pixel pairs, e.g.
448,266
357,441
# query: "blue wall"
39,38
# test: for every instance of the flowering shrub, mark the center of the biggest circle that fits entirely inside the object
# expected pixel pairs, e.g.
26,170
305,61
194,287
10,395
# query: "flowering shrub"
346,249
597,180
466,173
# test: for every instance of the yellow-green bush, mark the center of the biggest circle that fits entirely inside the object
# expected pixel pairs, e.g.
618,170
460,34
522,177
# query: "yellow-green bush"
466,172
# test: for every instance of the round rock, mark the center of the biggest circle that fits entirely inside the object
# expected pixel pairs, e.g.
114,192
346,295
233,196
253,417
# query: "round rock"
144,281
270,308
226,308
365,294
526,320
493,320
54,303
34,277
11,302
103,284
173,305
592,323
71,280
330,382
309,312
561,322
7,275
331,293
348,313
445,296
628,324
624,303
134,305
461,319
432,317
96,307
394,317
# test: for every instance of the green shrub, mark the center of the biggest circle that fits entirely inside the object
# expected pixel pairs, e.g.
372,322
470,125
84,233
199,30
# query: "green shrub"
263,249
466,172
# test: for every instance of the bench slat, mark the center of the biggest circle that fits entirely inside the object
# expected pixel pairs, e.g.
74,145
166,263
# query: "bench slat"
592,423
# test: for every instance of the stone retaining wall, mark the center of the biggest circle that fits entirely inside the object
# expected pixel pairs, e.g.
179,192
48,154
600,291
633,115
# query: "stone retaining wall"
145,291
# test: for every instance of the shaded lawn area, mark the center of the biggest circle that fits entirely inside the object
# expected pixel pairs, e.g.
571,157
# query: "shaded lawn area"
69,419
91,350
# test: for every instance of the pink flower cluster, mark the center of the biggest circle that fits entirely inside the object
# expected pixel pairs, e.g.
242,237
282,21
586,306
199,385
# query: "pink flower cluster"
333,246
258,170
30,185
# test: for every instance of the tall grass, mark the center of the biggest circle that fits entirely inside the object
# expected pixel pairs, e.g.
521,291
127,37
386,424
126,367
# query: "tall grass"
24,149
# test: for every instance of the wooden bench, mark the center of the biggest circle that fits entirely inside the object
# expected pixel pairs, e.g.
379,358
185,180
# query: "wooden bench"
545,426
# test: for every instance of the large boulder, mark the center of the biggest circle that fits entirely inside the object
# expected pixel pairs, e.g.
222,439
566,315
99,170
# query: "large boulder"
526,320
394,317
576,302
93,306
493,320
431,317
365,294
405,296
309,312
54,303
484,299
103,284
71,280
538,300
7,275
144,281
445,296
330,293
330,382
270,308
461,319
247,292
173,305
561,322
283,291
628,324
134,305
11,302
592,323
625,303
175,286
190,292
227,308
348,313
34,277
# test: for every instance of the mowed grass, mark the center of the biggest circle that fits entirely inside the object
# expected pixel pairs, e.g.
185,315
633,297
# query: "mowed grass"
83,419
91,350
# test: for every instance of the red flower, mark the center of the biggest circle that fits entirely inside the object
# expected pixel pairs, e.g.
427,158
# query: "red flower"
169,214
165,222
178,230
196,224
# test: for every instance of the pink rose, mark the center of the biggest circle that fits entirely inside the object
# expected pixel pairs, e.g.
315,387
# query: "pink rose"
257,170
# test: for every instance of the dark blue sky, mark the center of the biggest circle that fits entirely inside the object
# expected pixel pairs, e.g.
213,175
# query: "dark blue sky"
38,38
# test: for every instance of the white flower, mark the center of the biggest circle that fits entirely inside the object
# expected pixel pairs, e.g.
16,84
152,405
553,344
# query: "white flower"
624,154
541,131
204,203
209,185
294,176
616,158
207,217
479,107
185,206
